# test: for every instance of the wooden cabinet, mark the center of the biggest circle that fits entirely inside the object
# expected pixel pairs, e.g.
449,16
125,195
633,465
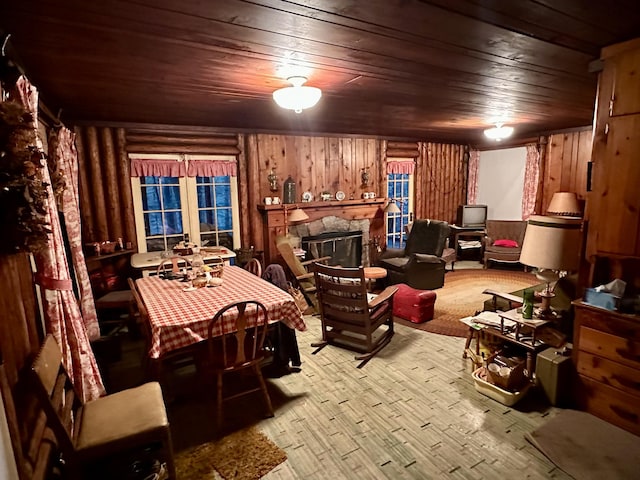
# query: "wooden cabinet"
607,359
613,206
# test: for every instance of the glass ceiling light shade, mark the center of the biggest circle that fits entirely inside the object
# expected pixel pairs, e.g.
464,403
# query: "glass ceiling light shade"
564,204
498,132
298,97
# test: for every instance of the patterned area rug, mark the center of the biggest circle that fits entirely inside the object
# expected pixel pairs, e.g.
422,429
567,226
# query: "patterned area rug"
462,296
243,455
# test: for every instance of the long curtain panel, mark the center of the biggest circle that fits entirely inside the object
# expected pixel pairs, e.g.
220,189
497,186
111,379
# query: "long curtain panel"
62,152
472,179
531,174
62,314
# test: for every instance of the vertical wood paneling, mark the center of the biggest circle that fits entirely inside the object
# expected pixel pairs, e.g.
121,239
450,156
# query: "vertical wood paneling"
124,189
101,228
440,181
111,186
84,191
565,165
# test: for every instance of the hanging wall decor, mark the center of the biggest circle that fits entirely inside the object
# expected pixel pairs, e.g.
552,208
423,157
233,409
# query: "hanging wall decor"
22,193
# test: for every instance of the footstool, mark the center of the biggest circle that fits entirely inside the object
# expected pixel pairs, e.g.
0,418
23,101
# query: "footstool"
413,304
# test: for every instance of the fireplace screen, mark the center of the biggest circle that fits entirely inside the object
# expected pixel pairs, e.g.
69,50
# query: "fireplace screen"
344,248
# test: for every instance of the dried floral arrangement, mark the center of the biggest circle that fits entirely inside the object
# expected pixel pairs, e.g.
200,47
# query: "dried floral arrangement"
22,192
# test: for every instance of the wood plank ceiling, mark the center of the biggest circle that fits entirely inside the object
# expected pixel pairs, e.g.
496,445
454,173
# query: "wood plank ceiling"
436,70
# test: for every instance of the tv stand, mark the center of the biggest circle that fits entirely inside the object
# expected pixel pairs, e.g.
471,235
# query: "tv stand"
468,233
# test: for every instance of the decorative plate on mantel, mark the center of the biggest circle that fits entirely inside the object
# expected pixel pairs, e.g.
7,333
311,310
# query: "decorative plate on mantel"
340,195
307,196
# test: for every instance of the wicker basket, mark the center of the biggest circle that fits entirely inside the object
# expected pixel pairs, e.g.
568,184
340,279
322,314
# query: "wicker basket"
216,268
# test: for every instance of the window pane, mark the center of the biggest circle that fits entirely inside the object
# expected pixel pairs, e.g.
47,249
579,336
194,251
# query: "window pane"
173,222
225,220
223,195
205,196
171,197
153,224
207,217
168,180
150,198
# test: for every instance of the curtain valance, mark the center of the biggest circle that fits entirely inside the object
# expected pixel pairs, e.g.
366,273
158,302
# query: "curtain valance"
146,167
401,166
142,167
212,168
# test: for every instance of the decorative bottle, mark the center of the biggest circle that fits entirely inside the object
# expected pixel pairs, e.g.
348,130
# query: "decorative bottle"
527,305
289,190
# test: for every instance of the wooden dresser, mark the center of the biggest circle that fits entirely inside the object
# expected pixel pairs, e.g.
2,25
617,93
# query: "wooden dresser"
607,359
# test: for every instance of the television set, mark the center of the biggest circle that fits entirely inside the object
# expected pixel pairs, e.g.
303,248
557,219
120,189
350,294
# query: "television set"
472,216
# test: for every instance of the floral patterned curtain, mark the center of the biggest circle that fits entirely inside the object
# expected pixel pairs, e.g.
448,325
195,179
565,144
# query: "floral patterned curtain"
62,314
63,155
530,187
472,180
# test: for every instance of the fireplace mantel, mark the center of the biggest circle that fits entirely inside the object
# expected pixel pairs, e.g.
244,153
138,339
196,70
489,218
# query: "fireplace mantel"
273,218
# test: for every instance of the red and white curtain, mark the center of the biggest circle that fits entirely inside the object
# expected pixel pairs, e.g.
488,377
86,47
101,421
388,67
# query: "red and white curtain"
472,179
531,175
62,153
401,166
62,314
143,167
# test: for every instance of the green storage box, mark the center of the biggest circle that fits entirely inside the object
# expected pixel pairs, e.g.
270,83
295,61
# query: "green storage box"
553,375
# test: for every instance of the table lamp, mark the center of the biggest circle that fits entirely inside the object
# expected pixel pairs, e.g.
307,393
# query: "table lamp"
551,245
296,215
564,204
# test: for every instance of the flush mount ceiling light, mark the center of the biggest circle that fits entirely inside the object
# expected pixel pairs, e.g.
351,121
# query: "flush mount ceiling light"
498,132
298,97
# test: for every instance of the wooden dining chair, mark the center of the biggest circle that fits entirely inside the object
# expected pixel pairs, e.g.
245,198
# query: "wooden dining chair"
122,422
254,266
240,346
175,263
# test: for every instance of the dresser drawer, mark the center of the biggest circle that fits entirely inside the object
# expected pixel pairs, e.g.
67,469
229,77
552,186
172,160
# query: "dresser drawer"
613,347
609,372
621,325
610,404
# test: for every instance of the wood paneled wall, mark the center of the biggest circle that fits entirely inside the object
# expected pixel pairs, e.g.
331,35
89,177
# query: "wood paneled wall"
565,165
441,180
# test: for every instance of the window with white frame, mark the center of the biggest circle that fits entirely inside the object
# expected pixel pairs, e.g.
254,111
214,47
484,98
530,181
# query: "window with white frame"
400,189
185,196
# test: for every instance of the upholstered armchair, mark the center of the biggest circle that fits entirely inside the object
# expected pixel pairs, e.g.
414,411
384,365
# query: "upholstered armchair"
420,264
503,242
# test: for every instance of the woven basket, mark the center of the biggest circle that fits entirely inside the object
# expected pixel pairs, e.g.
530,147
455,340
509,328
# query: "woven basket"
217,267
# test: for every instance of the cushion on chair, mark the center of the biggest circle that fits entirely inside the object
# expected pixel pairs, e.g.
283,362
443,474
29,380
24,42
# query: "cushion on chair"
412,304
129,413
505,242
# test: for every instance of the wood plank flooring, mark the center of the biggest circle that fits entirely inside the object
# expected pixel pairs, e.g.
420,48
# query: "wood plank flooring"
412,412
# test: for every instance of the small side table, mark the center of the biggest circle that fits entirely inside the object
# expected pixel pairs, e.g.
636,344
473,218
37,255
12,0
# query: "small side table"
374,273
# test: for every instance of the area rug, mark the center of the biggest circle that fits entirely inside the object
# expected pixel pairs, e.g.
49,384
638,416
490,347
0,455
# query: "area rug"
586,447
462,296
243,455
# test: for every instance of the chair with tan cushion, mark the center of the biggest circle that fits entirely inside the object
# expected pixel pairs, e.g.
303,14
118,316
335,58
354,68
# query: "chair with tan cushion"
126,421
503,242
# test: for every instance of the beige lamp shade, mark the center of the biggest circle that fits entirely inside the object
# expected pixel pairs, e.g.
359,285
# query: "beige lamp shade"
392,207
564,204
298,215
552,243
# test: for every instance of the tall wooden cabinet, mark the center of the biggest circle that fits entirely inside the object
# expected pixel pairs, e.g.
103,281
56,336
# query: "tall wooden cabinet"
613,206
607,344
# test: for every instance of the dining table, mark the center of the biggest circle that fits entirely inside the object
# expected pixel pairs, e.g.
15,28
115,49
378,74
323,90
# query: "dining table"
179,314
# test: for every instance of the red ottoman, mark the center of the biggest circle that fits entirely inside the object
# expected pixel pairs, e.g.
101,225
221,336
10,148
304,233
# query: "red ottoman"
413,305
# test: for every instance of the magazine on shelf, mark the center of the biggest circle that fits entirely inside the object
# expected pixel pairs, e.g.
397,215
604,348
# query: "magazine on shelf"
492,319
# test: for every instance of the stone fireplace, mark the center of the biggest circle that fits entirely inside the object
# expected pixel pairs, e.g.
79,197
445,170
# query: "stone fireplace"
346,241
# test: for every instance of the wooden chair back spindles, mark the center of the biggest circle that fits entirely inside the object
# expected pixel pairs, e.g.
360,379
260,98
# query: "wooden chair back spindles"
239,346
254,266
351,319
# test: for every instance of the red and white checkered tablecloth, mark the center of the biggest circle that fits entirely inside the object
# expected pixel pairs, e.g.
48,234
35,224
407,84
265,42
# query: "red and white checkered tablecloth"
180,318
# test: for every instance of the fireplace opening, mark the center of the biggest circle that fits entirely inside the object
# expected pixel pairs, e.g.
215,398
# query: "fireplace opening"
344,248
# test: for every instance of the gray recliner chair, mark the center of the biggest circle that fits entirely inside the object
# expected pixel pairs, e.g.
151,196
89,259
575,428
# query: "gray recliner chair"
420,264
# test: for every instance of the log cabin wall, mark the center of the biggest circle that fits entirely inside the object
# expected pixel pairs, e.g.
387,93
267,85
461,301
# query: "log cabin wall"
440,180
565,165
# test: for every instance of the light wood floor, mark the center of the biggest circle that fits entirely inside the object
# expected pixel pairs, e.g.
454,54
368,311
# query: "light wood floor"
411,412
